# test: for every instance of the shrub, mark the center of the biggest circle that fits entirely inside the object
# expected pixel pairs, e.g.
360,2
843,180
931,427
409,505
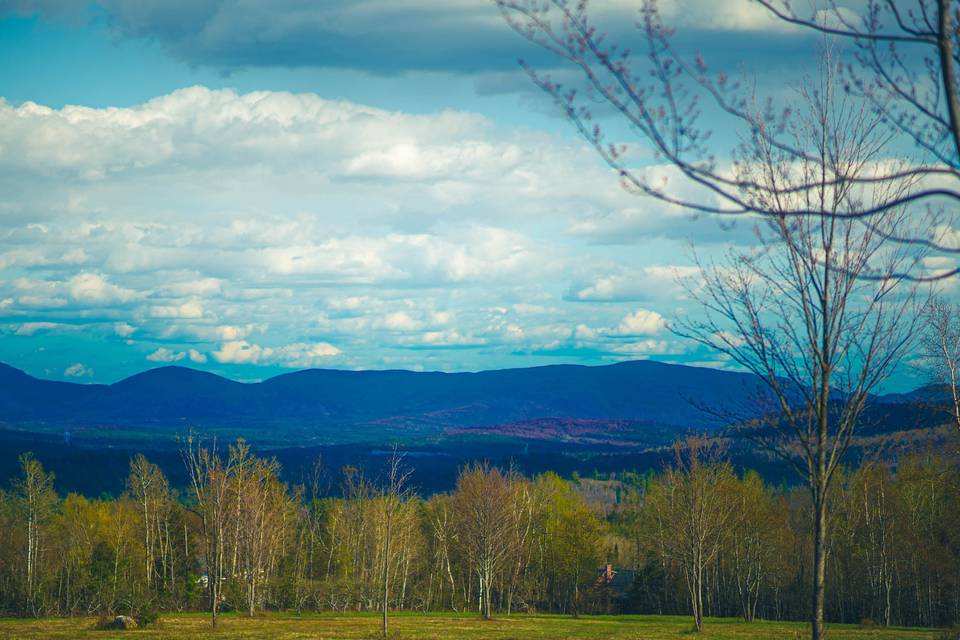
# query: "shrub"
146,615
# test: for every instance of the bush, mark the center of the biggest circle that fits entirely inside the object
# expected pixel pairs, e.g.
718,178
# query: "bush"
145,616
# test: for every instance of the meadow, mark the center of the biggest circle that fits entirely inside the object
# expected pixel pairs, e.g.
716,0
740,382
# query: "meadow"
441,626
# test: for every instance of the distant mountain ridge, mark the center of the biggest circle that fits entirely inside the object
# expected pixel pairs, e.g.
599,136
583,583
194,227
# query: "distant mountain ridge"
363,404
640,390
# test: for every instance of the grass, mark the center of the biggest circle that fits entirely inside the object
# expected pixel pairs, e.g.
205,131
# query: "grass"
441,626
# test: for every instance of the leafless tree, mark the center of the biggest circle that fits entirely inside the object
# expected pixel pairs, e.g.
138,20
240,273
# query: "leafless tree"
796,312
693,511
36,499
395,493
942,346
660,94
149,488
265,514
210,486
482,505
906,55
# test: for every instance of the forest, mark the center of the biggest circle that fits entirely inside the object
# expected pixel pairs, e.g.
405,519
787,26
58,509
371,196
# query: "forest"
700,537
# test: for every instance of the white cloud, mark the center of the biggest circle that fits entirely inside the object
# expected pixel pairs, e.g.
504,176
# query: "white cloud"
584,333
78,370
124,329
643,348
641,322
95,289
240,352
30,328
294,355
654,282
400,321
199,287
166,355
222,225
448,338
189,309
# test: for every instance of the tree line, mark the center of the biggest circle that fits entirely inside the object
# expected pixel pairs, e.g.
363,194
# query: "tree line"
698,538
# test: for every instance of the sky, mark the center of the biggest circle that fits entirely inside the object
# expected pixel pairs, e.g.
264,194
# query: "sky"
254,187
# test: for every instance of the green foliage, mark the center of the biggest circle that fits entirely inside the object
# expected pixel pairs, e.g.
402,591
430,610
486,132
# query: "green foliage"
146,615
895,530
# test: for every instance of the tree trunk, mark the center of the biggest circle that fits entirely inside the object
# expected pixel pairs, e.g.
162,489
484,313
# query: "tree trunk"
698,599
819,567
386,576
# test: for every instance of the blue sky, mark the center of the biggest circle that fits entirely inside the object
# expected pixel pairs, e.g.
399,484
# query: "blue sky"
252,187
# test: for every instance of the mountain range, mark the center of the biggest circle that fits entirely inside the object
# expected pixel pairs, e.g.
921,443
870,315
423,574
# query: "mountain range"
328,400
563,418
329,405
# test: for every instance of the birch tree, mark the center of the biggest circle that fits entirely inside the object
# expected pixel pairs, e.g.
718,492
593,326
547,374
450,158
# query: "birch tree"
482,504
395,493
692,510
37,499
941,343
210,485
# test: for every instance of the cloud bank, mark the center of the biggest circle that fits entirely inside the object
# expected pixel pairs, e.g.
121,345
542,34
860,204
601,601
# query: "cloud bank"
270,230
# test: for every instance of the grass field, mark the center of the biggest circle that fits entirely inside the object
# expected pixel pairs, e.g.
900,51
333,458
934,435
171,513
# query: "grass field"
442,627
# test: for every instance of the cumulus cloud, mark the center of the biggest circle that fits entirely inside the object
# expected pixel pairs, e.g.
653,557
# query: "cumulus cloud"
400,321
124,329
78,370
166,355
189,309
449,338
222,225
644,348
294,355
654,282
94,289
641,322
30,328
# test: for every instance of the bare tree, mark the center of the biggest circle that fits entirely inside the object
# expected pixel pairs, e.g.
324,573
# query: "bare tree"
520,532
210,486
149,488
906,56
692,509
941,343
482,504
265,513
757,544
36,497
797,312
660,95
395,494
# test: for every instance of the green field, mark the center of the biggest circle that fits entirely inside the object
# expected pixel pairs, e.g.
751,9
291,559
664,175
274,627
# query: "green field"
442,627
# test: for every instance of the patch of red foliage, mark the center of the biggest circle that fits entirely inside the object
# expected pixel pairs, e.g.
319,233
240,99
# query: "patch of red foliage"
582,431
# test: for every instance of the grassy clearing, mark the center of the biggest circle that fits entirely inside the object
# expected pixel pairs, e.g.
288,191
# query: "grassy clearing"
443,627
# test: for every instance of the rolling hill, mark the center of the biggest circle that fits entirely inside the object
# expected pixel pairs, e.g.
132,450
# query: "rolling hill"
363,403
562,418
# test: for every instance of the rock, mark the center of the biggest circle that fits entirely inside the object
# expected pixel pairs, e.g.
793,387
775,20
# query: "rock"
123,622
